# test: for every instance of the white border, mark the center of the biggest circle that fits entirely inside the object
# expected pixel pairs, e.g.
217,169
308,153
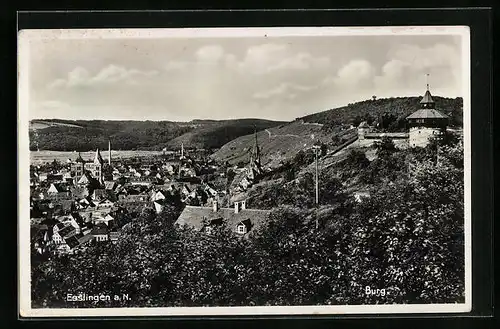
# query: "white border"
24,38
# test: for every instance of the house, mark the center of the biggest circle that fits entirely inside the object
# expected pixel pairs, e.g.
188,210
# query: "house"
76,241
359,196
100,232
110,185
69,220
106,203
114,236
67,206
57,227
42,177
158,195
210,190
85,179
240,220
86,203
160,205
104,220
134,198
67,231
79,192
100,195
56,188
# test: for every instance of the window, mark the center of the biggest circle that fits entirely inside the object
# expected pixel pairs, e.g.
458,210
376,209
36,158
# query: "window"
241,229
208,230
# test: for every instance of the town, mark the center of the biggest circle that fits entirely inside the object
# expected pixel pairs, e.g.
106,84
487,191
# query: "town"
77,203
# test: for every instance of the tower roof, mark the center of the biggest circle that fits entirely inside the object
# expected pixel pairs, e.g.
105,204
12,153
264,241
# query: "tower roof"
427,98
427,114
80,159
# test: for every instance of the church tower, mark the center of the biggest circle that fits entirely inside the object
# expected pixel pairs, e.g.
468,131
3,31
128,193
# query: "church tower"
426,123
95,167
255,164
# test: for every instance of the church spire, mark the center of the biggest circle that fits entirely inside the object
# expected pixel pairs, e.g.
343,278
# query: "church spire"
98,157
255,156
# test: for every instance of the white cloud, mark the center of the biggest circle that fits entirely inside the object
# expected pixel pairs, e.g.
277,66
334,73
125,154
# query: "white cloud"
271,57
407,66
176,65
108,75
355,73
212,53
284,89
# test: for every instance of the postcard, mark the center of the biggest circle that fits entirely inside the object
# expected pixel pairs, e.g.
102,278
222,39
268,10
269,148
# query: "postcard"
244,171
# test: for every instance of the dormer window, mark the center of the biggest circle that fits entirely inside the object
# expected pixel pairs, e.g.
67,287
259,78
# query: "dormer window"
241,229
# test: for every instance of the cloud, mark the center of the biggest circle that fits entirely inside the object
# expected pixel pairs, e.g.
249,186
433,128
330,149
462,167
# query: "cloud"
175,65
110,74
272,57
356,73
286,90
211,53
407,65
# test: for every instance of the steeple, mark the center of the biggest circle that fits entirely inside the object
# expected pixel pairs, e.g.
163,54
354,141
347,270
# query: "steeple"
255,154
427,102
79,159
109,152
98,158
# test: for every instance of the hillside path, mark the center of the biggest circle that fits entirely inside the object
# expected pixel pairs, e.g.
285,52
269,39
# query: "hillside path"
284,135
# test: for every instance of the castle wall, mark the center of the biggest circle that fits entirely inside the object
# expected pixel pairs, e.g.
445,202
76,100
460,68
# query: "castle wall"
419,136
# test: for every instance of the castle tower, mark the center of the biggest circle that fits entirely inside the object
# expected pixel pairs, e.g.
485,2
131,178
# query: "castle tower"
426,123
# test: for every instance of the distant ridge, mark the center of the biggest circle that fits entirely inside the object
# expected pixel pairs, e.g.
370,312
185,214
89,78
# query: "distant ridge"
62,135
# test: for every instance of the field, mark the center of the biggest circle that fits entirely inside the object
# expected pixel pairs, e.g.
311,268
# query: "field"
49,156
40,124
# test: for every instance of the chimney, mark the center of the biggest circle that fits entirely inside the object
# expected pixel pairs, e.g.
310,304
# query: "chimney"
243,204
215,205
236,207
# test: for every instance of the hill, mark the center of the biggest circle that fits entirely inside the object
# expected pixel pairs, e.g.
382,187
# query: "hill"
331,127
86,135
392,111
214,134
42,124
278,144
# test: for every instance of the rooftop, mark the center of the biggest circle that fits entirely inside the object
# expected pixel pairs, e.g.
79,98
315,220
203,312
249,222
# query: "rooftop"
427,114
427,98
194,216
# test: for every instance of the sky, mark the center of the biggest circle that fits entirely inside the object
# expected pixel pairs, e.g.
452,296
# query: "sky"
277,78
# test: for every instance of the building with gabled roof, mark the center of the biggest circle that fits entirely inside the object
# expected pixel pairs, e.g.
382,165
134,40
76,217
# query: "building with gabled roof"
96,167
239,220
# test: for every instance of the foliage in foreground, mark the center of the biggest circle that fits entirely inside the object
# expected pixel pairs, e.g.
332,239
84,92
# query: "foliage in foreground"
406,238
